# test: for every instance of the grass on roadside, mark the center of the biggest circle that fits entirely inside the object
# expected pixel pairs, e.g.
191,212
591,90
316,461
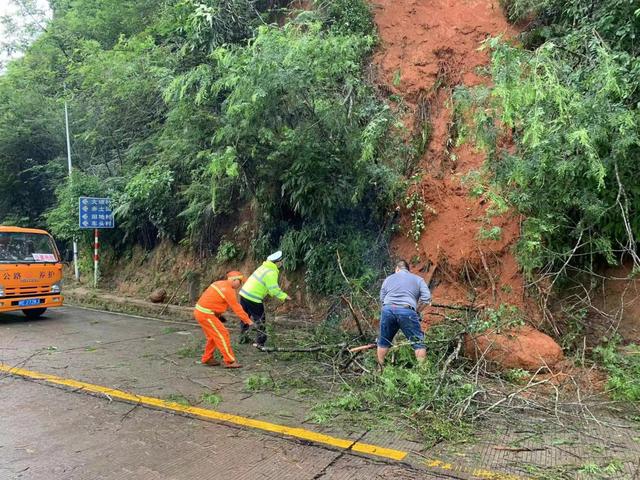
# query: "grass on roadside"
623,367
191,351
613,469
179,399
211,399
169,330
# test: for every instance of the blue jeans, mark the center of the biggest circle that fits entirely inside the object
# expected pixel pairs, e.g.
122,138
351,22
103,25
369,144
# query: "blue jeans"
395,318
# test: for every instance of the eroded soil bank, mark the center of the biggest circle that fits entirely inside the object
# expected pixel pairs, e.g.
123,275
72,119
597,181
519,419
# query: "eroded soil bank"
463,248
428,48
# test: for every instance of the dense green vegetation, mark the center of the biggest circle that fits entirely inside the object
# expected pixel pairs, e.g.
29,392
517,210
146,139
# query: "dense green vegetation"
623,368
196,116
561,126
570,99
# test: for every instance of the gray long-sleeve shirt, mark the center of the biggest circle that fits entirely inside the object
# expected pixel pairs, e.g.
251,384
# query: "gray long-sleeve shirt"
404,288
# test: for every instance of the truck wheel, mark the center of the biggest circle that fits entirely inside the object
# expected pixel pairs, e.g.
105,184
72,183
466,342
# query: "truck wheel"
34,312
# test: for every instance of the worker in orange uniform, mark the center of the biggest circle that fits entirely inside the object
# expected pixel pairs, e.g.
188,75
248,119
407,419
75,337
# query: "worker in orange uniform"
208,312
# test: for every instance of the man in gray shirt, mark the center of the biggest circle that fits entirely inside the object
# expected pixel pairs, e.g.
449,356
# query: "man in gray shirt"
400,295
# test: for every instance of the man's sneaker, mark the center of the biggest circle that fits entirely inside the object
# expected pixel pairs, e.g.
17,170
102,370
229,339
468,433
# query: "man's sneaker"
211,363
232,365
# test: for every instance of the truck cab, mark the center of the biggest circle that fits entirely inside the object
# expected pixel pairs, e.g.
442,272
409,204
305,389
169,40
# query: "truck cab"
30,271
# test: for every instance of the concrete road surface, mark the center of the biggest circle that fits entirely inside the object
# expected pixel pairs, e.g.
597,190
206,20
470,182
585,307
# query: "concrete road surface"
50,431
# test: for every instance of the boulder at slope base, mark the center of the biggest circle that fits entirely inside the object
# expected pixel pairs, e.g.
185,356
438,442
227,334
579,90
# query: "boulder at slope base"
158,295
524,347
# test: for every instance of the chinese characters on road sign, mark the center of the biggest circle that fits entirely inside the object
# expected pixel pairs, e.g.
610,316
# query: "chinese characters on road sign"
95,213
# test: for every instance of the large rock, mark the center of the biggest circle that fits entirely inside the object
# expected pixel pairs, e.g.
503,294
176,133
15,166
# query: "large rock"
158,295
524,347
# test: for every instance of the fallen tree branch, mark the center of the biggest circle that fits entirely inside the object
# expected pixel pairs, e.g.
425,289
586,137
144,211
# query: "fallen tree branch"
363,290
354,354
443,371
353,312
362,348
317,348
486,268
450,358
184,277
458,307
520,449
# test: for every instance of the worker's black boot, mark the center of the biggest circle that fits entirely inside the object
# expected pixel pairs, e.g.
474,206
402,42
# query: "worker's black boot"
261,335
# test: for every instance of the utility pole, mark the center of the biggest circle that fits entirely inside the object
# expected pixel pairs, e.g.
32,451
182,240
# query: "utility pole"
75,242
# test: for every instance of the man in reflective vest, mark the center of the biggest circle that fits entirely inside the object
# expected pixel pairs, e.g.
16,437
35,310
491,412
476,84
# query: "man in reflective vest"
262,282
208,312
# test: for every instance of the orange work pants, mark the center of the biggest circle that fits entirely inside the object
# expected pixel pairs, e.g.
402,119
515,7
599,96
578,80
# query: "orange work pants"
217,337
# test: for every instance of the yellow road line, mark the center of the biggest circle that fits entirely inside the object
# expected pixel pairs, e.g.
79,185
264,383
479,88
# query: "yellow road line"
479,473
300,433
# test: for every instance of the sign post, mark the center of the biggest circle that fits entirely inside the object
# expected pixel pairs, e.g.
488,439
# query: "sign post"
96,257
95,213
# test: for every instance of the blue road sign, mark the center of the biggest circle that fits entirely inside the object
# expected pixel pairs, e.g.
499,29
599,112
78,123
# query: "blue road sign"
95,212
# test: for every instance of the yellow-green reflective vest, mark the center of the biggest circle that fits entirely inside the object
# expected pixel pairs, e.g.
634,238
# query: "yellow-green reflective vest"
263,282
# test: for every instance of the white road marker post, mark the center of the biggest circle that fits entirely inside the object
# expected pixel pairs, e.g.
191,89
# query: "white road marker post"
75,240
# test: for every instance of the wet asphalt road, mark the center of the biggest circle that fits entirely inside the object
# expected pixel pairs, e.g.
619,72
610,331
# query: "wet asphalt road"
49,432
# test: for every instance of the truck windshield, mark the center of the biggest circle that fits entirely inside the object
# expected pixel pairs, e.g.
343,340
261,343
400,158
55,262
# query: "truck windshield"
18,247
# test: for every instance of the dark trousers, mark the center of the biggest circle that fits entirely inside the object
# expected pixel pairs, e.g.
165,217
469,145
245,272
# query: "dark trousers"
255,310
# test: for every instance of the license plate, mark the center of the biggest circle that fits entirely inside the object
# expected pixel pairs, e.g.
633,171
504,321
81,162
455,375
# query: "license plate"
29,302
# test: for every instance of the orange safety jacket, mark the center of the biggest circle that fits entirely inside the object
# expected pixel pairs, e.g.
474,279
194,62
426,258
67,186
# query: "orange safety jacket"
218,297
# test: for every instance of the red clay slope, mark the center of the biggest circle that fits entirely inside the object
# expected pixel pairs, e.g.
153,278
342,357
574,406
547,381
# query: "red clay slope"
429,47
